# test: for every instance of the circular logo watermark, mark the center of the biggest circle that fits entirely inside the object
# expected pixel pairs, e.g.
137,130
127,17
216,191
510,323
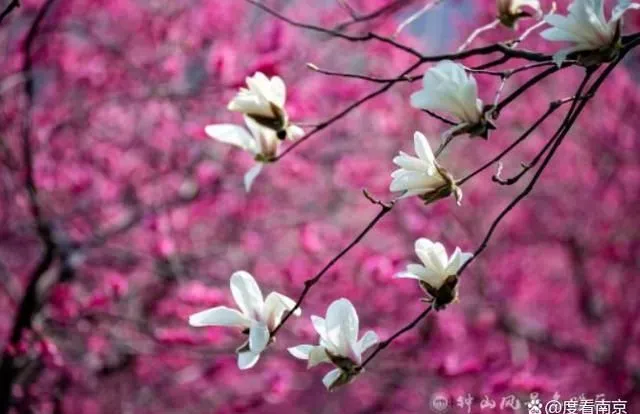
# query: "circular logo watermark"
439,402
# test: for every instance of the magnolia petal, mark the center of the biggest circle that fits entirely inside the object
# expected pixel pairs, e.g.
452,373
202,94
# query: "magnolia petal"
457,260
424,273
294,132
317,356
331,377
219,316
320,325
231,134
408,275
560,56
621,8
247,294
251,175
368,340
423,100
301,351
278,91
423,149
258,337
275,305
342,325
408,162
454,262
247,359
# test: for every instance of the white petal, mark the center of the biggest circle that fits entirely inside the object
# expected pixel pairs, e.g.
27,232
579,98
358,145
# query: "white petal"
219,316
408,162
301,351
368,340
457,260
278,91
275,305
317,356
621,8
258,337
320,325
423,150
247,294
231,134
408,275
560,56
251,175
331,377
342,325
247,359
294,132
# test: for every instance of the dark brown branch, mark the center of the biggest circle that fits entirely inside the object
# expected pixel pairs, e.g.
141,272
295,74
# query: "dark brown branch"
309,283
30,302
564,128
386,9
552,108
506,49
345,111
14,4
382,345
335,33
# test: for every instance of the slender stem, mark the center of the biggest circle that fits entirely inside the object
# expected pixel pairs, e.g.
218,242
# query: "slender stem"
385,208
348,109
574,112
552,108
382,345
412,18
14,4
478,32
30,302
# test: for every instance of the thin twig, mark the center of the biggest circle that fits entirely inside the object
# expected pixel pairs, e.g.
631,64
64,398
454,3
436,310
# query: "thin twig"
478,32
552,108
14,4
385,208
430,5
30,302
382,345
564,128
392,7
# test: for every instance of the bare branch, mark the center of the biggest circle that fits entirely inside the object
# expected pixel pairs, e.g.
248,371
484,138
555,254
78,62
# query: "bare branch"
385,208
14,4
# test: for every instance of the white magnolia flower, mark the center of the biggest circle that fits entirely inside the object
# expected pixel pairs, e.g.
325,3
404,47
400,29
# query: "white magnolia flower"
586,27
339,344
257,317
438,272
260,142
447,87
509,11
422,175
263,101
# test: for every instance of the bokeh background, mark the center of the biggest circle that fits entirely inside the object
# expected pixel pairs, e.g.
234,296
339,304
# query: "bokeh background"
150,217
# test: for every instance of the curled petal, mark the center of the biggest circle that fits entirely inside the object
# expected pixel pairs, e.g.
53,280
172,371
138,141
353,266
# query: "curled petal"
219,316
342,325
247,294
301,351
368,340
331,378
247,359
258,337
251,175
317,356
232,134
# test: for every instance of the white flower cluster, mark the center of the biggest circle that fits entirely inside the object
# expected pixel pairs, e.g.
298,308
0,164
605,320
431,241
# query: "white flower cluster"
446,87
262,104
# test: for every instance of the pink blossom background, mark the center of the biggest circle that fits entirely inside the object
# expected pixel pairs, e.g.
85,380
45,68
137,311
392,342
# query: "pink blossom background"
155,219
